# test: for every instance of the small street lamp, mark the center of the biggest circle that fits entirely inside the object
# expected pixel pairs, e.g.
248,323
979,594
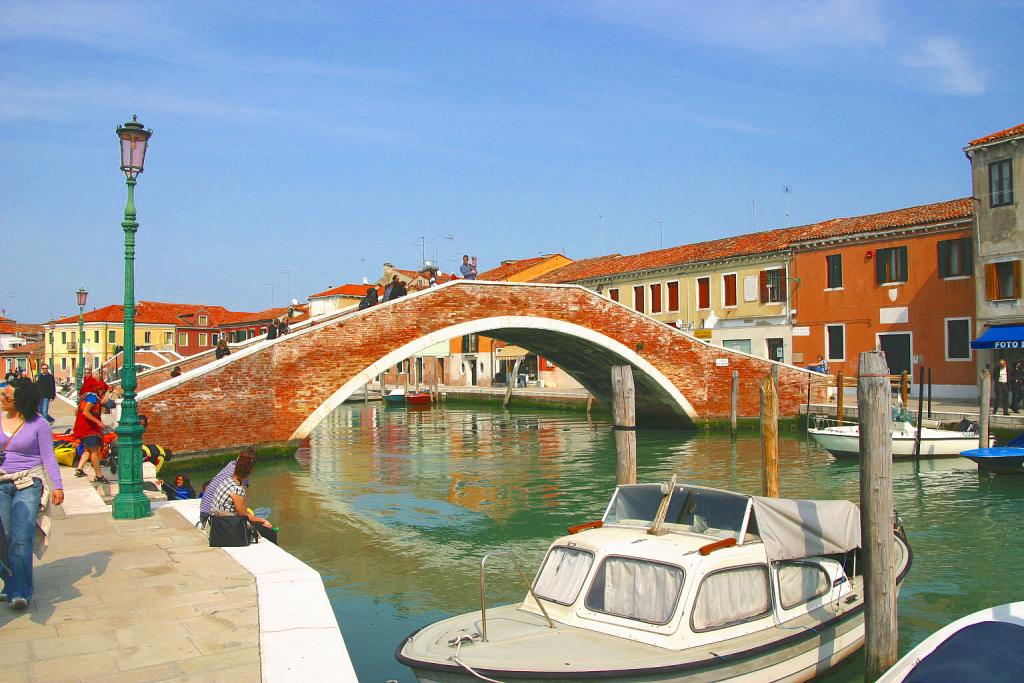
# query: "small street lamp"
83,296
130,502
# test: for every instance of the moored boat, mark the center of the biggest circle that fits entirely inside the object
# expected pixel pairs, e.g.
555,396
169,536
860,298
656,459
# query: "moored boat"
674,583
843,440
396,395
985,646
1008,459
418,397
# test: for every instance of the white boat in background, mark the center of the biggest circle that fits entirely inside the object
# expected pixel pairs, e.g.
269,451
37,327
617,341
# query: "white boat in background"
985,646
843,440
675,583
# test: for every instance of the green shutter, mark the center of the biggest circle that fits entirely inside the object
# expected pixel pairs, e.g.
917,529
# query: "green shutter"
944,258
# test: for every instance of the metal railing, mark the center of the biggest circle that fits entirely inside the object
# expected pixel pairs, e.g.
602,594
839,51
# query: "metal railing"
483,590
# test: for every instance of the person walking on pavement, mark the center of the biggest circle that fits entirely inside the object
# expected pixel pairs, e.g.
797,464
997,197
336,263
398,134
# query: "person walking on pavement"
467,269
222,349
27,447
1017,385
46,387
88,430
1002,387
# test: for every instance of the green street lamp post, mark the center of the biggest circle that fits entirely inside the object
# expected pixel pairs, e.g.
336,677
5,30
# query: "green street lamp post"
83,296
130,502
53,368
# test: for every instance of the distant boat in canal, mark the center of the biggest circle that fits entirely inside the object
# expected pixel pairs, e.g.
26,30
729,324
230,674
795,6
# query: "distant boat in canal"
1008,459
843,440
399,396
395,396
985,646
675,583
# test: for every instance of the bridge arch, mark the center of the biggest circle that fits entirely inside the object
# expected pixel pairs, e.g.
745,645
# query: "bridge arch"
517,329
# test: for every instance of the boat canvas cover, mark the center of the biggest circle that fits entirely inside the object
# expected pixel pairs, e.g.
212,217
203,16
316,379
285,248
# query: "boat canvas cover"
791,529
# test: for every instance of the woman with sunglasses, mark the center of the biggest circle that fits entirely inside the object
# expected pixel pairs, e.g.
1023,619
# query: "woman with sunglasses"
28,458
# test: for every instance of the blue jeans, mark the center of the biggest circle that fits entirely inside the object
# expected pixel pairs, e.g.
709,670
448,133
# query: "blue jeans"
44,409
18,510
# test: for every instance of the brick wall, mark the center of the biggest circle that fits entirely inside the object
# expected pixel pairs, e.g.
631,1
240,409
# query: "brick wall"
263,397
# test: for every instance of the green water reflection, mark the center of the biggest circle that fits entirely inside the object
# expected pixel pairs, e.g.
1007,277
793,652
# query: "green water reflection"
394,508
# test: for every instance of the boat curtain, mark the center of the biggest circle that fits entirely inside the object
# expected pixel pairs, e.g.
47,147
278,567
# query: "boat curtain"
641,590
563,574
800,582
731,596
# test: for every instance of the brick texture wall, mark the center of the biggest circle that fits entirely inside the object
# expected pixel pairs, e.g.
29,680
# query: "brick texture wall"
264,397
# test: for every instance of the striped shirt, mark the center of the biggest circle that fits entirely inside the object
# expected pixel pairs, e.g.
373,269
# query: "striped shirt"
206,504
222,501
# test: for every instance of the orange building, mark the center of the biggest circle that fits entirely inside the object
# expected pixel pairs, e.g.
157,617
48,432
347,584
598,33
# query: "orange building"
900,281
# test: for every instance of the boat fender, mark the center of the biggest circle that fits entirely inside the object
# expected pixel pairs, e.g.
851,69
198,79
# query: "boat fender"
717,545
596,524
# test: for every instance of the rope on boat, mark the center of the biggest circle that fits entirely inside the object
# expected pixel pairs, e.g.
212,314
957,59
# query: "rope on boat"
467,667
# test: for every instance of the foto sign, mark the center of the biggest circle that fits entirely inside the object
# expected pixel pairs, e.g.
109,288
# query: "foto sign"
1015,344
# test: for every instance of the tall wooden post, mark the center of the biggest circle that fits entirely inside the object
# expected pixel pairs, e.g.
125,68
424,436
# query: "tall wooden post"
984,407
590,403
512,380
624,415
920,415
735,399
876,515
840,396
770,436
905,388
929,393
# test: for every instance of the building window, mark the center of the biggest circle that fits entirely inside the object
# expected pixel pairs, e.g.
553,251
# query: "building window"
773,286
95,336
834,268
147,337
95,362
202,339
263,330
613,294
703,292
958,338
638,298
63,363
835,342
737,345
656,298
1002,281
64,338
955,258
470,343
729,290
111,337
203,321
673,296
1000,182
168,337
183,339
215,339
891,265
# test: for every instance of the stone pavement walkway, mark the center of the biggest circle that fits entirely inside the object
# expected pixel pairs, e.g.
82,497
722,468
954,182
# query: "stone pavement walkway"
141,600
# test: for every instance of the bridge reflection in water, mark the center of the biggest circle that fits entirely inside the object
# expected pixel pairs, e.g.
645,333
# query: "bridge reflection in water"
395,509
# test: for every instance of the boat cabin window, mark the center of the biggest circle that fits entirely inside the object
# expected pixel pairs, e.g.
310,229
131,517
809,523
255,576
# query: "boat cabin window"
636,589
702,511
800,582
563,573
731,596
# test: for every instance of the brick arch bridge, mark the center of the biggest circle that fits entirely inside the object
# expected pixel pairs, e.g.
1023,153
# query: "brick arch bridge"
276,392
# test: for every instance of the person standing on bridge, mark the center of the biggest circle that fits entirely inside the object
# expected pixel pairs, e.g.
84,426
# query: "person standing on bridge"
467,269
282,327
222,349
272,330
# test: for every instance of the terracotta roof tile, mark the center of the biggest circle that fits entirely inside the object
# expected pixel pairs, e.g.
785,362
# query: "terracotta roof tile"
576,270
1000,135
23,350
342,290
509,268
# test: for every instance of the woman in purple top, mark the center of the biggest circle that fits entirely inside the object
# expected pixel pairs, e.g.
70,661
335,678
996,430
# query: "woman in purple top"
27,444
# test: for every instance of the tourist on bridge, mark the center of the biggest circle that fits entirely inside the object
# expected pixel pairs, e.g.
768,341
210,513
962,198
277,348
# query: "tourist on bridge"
222,349
272,330
370,299
282,327
468,269
46,387
88,429
176,372
27,447
395,290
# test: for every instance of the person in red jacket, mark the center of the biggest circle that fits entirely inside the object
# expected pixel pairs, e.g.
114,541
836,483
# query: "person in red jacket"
89,430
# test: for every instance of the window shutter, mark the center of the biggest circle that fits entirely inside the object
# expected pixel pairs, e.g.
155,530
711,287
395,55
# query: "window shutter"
782,285
991,282
904,275
880,256
968,255
764,286
944,259
1016,279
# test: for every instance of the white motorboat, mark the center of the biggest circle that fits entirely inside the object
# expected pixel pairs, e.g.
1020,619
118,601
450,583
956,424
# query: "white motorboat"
985,646
843,440
675,583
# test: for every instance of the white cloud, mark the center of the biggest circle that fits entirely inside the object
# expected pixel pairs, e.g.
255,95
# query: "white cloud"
951,67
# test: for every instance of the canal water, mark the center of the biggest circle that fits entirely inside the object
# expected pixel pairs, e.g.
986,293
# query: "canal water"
394,507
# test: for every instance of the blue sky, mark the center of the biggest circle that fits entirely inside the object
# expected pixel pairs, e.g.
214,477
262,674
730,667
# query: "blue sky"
301,145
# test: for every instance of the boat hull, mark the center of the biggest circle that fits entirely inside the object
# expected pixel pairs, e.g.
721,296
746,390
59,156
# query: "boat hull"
844,443
1000,460
418,399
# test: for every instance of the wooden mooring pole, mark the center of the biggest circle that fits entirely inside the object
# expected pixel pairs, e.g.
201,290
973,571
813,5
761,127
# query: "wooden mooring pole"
735,400
904,388
929,393
511,382
624,415
877,519
984,407
770,436
840,396
590,403
920,414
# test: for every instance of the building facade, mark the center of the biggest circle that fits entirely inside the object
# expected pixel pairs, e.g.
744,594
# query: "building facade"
997,166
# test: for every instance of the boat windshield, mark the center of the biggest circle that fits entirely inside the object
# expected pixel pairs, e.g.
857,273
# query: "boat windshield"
694,509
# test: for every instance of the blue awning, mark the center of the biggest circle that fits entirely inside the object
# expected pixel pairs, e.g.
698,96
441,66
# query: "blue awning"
1001,337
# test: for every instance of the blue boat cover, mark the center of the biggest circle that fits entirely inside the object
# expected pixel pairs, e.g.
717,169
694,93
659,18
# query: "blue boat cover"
989,652
1001,337
994,452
